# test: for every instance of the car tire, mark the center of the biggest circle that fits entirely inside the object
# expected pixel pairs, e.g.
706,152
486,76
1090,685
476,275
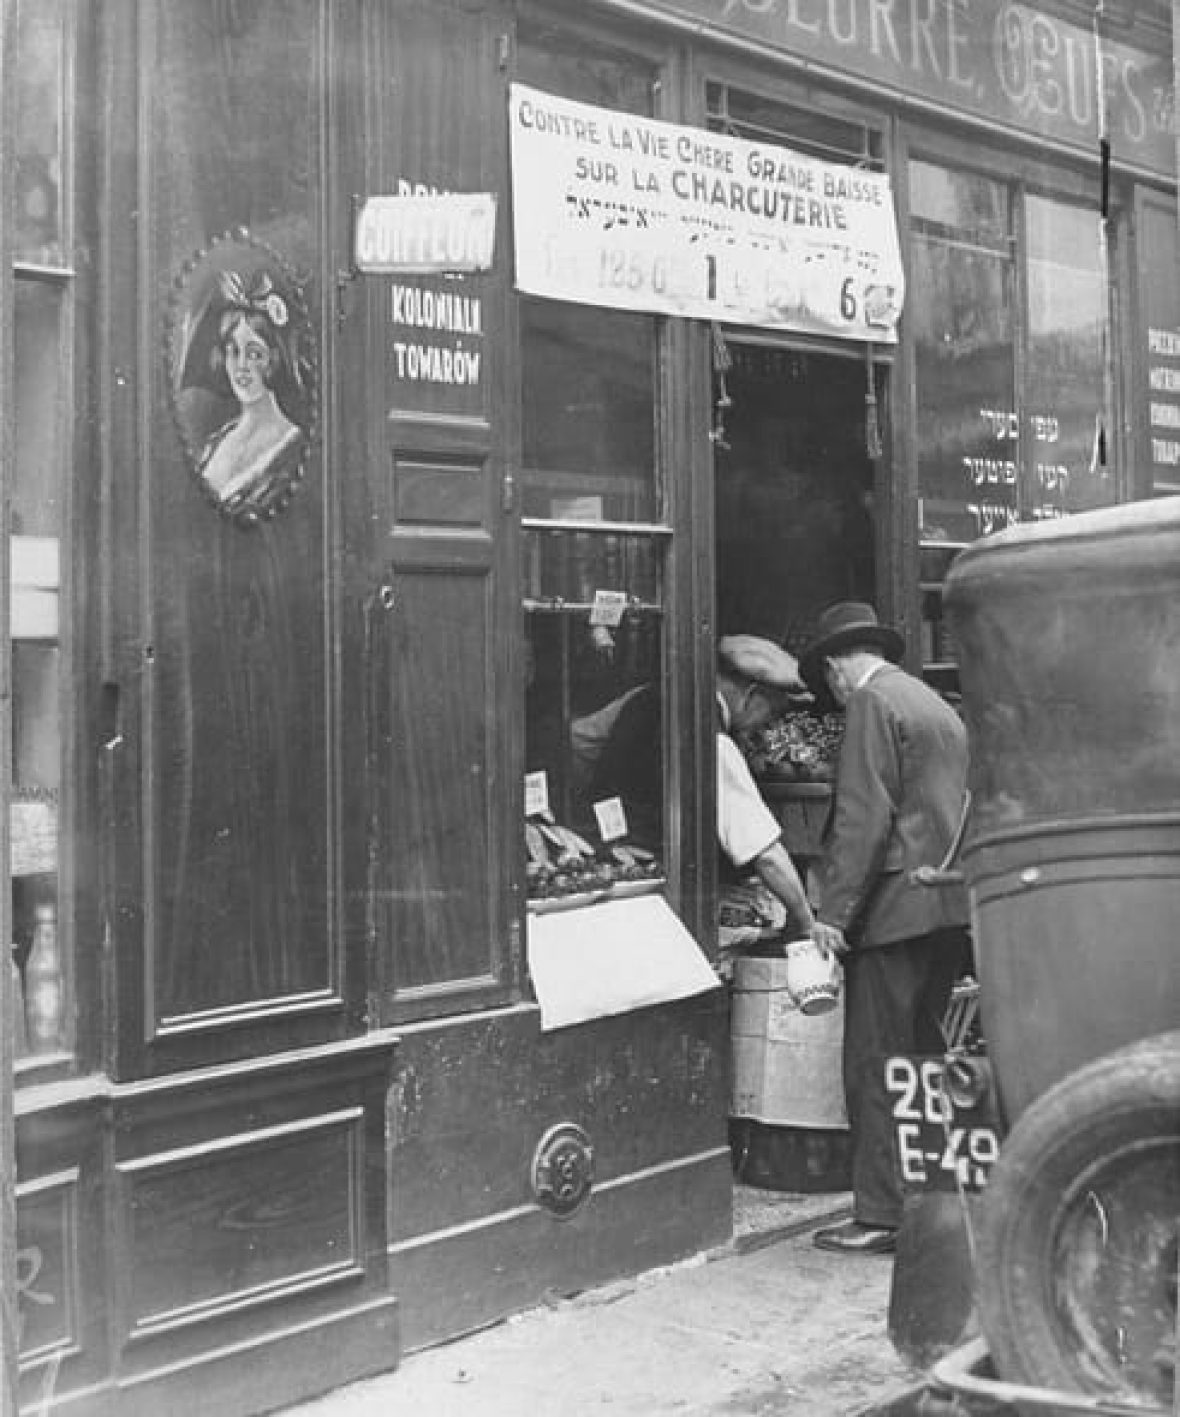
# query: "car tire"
1076,1260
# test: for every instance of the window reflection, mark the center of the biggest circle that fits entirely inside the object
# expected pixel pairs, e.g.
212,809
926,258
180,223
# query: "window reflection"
965,204
588,427
1067,410
964,354
996,447
594,719
40,389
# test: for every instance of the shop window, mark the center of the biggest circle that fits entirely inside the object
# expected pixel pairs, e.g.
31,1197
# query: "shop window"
588,432
594,545
1011,360
1066,416
43,304
962,260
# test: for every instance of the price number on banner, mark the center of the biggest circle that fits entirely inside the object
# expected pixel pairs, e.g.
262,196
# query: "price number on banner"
874,304
939,1147
634,271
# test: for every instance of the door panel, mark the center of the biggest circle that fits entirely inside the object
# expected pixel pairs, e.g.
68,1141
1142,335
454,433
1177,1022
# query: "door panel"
437,543
434,816
225,664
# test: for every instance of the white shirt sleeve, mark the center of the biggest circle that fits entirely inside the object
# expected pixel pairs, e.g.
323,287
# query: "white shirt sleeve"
745,824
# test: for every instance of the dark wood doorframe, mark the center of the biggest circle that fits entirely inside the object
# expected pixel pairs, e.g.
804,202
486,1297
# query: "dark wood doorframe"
8,1341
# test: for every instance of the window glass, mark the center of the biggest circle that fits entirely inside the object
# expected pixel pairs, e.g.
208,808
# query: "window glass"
964,350
1004,272
578,687
1067,403
593,555
40,400
588,435
588,432
39,420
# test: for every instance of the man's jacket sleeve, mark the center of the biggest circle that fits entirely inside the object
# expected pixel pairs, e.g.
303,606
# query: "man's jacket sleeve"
867,793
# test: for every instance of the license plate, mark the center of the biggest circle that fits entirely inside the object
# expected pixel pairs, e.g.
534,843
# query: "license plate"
940,1146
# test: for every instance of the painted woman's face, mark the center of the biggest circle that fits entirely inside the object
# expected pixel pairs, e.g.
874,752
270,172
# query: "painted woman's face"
247,362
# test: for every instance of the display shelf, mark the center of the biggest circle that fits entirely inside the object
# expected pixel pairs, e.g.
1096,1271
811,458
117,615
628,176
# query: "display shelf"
557,605
774,786
622,890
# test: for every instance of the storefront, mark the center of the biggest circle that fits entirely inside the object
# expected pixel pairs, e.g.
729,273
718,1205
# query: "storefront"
326,549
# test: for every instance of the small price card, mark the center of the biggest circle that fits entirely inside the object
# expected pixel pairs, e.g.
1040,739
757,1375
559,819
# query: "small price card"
612,819
536,794
608,608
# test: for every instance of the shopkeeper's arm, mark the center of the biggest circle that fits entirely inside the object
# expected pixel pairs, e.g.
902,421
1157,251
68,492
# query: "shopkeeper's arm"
749,834
777,872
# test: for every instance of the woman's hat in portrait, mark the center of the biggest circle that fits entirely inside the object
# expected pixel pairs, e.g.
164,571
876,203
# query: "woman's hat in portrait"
252,292
255,286
840,627
752,657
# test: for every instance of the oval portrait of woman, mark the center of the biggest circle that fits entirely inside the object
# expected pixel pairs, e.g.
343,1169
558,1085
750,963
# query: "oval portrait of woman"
242,376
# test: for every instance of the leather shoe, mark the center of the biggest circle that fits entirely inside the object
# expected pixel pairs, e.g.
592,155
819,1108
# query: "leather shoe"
853,1238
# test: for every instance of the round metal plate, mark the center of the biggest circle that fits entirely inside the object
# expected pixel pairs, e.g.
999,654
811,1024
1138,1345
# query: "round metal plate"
563,1170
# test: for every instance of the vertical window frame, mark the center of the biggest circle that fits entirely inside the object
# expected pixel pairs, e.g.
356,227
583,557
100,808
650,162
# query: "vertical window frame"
657,530
62,277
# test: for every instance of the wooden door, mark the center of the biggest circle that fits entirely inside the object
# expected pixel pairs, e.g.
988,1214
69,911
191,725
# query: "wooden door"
219,861
428,539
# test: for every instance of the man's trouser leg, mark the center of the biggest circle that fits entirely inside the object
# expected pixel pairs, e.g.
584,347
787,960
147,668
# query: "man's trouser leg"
895,997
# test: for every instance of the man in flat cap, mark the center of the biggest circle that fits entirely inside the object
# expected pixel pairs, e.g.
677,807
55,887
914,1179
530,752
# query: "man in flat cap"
897,804
755,678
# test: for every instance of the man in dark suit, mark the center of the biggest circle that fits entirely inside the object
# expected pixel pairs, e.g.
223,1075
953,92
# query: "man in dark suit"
899,792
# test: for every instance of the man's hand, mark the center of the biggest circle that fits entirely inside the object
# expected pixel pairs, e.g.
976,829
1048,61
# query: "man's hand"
830,939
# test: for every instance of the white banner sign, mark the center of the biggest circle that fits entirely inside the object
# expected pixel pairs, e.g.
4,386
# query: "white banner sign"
628,212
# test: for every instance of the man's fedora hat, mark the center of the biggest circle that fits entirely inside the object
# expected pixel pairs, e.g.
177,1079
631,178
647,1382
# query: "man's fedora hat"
841,626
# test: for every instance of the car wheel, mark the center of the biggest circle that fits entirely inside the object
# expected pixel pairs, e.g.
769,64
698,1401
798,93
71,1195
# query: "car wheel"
1076,1260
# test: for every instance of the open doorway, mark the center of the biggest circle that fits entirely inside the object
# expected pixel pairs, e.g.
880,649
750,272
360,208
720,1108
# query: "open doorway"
794,490
795,518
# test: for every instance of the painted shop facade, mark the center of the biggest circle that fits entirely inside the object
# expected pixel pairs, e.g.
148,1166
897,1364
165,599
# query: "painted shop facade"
393,386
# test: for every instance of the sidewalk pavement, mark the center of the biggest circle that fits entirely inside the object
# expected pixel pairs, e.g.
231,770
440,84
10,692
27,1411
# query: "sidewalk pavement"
765,1325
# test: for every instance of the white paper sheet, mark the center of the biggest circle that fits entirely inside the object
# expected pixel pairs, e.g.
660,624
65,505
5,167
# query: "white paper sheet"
610,958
